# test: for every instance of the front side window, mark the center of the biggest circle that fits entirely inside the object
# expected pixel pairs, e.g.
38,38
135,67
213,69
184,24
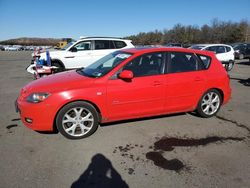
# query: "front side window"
104,65
84,45
146,65
182,62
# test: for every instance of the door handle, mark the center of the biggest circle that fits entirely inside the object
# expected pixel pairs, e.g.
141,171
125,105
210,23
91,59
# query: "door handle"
69,56
157,83
198,79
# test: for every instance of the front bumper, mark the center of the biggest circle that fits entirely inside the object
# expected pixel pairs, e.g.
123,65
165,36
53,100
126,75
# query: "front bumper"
36,116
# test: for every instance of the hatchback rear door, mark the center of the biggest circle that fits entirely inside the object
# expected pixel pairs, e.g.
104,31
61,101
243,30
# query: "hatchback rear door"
184,82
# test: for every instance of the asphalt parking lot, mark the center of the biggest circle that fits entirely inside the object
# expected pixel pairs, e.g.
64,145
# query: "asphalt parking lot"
170,151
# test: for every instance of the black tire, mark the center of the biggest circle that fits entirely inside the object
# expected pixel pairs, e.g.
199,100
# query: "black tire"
59,65
200,108
77,123
241,56
230,65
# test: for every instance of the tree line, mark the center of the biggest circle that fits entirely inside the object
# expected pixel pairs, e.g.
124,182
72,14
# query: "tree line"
31,41
217,32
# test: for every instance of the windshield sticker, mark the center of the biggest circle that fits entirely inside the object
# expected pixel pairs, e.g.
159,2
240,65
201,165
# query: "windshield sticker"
123,56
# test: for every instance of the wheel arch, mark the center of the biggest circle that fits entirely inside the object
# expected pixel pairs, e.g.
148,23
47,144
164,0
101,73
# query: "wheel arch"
87,101
214,88
58,61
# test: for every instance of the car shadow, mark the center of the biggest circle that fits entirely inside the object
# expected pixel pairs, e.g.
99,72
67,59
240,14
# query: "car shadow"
140,119
100,173
245,82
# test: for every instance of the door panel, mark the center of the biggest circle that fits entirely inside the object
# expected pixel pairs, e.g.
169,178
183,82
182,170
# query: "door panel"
80,58
143,95
139,97
183,90
98,54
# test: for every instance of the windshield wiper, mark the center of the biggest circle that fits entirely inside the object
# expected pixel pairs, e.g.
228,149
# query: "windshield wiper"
81,72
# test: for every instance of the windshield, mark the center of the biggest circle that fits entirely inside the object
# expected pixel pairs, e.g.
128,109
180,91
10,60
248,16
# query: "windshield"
104,65
68,45
197,47
238,47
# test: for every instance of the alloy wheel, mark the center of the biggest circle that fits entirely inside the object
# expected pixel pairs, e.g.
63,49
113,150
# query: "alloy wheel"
210,103
77,121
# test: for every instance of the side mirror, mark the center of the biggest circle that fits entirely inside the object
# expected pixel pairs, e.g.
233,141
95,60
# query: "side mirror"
73,49
126,75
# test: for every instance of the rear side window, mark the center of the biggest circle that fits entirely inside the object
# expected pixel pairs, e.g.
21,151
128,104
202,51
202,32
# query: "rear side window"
212,48
101,44
119,44
182,62
205,61
220,49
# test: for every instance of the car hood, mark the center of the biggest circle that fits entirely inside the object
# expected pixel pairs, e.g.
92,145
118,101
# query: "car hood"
59,82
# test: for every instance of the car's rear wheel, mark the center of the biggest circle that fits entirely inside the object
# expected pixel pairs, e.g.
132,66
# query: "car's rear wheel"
230,65
209,103
241,56
77,120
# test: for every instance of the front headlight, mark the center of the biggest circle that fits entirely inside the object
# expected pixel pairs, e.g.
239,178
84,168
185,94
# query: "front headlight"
37,97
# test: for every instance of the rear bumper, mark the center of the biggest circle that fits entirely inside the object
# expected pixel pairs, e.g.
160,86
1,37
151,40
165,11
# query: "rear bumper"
227,62
227,97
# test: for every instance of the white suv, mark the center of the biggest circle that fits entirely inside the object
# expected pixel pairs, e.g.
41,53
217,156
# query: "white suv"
85,51
224,53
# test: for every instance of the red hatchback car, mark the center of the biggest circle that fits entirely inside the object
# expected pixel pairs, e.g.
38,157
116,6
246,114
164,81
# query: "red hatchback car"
126,84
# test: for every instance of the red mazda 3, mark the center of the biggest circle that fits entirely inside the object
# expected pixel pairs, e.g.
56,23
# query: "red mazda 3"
126,84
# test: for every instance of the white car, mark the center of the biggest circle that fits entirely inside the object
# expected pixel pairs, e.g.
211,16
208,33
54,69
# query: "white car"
85,51
13,48
224,53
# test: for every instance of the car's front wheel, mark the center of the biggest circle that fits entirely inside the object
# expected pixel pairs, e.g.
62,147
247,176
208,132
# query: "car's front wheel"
209,103
77,120
59,68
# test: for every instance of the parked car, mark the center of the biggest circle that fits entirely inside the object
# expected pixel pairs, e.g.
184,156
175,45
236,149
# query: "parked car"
12,48
224,53
130,83
242,51
174,45
85,51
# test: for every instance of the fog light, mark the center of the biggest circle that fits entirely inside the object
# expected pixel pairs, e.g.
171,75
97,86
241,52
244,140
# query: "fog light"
28,120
